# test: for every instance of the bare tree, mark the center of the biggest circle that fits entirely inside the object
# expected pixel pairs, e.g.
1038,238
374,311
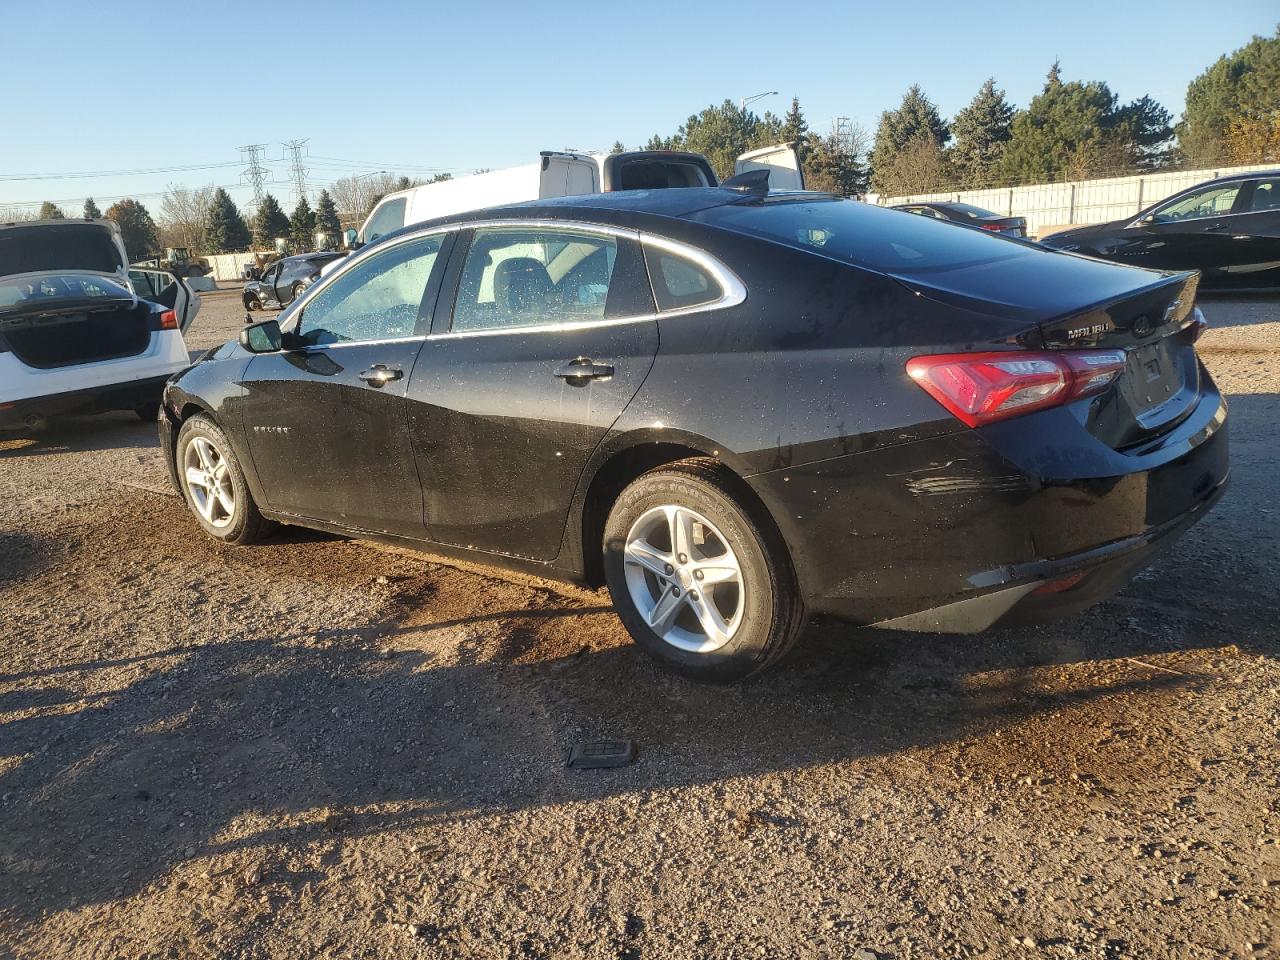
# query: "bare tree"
18,214
182,214
355,196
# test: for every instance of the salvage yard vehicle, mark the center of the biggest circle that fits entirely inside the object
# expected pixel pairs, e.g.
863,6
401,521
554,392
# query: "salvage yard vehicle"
1228,229
80,330
733,407
967,215
284,281
563,174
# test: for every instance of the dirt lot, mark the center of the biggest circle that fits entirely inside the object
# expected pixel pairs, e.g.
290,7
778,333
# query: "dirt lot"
317,748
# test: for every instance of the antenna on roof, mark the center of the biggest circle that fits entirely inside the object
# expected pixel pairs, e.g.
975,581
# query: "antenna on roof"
753,182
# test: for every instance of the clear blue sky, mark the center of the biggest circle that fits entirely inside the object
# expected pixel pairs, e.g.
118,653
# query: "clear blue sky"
96,86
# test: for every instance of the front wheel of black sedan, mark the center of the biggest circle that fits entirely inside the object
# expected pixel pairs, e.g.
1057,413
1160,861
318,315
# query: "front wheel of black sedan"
214,486
696,580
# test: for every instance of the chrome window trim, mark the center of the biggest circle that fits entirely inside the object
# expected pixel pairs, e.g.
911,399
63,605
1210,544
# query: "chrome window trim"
1179,196
732,289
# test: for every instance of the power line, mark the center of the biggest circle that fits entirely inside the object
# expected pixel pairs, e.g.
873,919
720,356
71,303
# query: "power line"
255,172
88,174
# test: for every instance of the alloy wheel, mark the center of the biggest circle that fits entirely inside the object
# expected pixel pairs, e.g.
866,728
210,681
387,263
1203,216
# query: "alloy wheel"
684,578
208,479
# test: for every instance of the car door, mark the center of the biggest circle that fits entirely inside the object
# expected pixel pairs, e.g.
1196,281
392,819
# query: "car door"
1253,232
166,289
325,418
268,282
1188,232
550,335
782,162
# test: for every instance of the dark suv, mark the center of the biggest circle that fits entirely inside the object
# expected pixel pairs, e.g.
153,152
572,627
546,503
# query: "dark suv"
282,282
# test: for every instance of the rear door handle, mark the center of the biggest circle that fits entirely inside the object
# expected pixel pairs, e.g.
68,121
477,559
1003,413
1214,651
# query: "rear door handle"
581,370
379,375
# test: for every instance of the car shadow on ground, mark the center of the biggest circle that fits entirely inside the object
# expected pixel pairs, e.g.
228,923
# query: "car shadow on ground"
109,431
221,748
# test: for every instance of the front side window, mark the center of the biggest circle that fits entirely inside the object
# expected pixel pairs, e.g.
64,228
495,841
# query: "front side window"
388,218
1266,196
679,282
525,277
379,299
1211,202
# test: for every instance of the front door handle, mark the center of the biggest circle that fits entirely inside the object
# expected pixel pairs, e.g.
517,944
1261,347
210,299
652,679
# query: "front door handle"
379,375
581,370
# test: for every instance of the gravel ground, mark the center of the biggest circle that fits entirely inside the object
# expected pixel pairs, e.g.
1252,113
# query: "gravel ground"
319,748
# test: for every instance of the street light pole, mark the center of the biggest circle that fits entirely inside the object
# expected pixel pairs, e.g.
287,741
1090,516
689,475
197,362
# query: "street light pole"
742,104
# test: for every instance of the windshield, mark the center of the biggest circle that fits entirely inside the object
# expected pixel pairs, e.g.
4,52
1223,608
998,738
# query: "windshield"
870,236
52,291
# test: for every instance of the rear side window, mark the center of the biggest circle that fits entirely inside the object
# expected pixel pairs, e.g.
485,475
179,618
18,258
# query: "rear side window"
525,277
1266,196
869,236
388,218
679,282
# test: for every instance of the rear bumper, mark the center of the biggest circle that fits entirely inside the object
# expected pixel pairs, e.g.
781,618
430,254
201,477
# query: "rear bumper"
978,527
24,414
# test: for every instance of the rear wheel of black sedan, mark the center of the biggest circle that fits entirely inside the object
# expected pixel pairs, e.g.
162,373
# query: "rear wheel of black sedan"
214,486
697,580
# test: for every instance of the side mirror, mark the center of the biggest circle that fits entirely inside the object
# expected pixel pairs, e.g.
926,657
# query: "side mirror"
262,337
351,239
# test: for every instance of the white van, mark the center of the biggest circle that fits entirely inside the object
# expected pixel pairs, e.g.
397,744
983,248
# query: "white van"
562,174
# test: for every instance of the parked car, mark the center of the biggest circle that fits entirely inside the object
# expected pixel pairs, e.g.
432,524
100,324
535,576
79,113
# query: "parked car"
1228,229
734,409
281,282
80,330
562,174
968,215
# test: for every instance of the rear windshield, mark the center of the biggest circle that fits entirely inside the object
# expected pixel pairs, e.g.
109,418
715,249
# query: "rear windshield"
972,212
869,236
15,294
70,247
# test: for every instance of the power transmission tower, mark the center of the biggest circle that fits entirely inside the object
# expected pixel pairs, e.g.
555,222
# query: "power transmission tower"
842,134
255,172
293,148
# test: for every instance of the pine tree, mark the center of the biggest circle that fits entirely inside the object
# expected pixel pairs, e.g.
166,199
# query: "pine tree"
137,229
91,211
224,228
302,226
830,166
1241,86
1074,130
618,147
327,217
794,127
50,211
916,119
269,224
981,131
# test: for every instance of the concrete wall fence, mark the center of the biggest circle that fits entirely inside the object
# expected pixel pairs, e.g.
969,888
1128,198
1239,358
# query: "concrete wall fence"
229,266
1056,206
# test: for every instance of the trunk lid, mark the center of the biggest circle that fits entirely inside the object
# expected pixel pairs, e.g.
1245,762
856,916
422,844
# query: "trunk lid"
59,246
1077,303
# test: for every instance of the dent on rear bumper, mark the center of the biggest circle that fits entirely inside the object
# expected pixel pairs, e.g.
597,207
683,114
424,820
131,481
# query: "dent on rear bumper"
918,527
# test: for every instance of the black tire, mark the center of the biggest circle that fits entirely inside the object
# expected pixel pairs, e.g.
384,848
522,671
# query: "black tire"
252,303
297,290
246,523
773,612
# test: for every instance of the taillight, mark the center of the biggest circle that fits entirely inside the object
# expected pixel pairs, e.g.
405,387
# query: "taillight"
979,388
169,320
1198,325
993,227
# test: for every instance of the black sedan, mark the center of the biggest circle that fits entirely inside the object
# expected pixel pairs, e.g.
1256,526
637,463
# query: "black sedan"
966,214
283,281
733,409
1228,229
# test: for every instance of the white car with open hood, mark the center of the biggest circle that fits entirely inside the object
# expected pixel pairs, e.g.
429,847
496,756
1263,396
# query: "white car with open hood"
80,330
